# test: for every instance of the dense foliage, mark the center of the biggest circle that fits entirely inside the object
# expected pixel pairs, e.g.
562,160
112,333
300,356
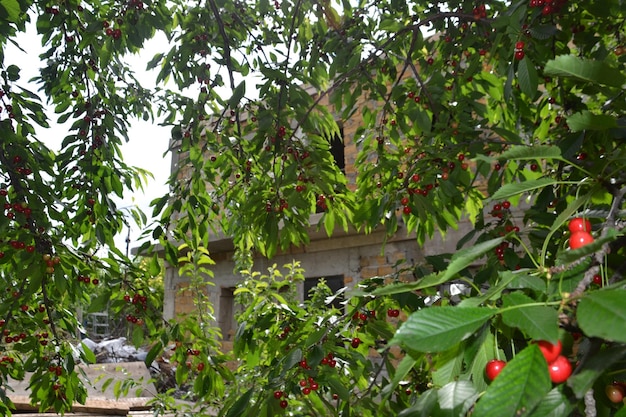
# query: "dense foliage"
511,114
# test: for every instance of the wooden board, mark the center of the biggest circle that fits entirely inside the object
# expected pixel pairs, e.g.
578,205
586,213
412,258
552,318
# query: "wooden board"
98,400
107,407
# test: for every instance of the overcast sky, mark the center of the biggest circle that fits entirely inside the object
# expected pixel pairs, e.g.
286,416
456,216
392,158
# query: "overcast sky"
148,141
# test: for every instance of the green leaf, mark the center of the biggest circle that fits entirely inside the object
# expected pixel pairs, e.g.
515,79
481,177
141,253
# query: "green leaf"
603,314
585,120
137,336
554,404
99,303
292,358
423,407
88,354
337,387
516,188
402,370
238,94
241,404
518,389
12,8
13,72
593,367
436,329
527,77
399,288
447,366
152,354
597,72
531,152
466,257
536,321
456,398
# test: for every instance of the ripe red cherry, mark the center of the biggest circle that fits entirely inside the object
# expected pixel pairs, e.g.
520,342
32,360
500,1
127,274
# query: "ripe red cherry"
493,368
284,404
580,239
278,394
560,369
520,45
597,279
355,342
550,351
579,224
519,55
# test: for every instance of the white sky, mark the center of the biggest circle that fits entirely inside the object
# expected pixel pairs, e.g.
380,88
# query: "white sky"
148,141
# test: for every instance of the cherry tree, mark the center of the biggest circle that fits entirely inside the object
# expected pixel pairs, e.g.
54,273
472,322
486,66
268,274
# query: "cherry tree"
464,110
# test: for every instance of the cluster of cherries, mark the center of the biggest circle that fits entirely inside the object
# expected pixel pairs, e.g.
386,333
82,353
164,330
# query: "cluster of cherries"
85,279
141,303
307,384
191,353
13,209
20,166
559,367
548,6
580,233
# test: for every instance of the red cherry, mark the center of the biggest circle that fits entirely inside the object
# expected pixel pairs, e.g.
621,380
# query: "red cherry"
355,342
580,239
597,279
550,351
284,404
278,394
493,368
560,369
519,55
579,224
520,45
200,367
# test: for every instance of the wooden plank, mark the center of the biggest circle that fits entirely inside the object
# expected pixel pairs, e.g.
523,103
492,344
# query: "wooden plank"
103,406
71,415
